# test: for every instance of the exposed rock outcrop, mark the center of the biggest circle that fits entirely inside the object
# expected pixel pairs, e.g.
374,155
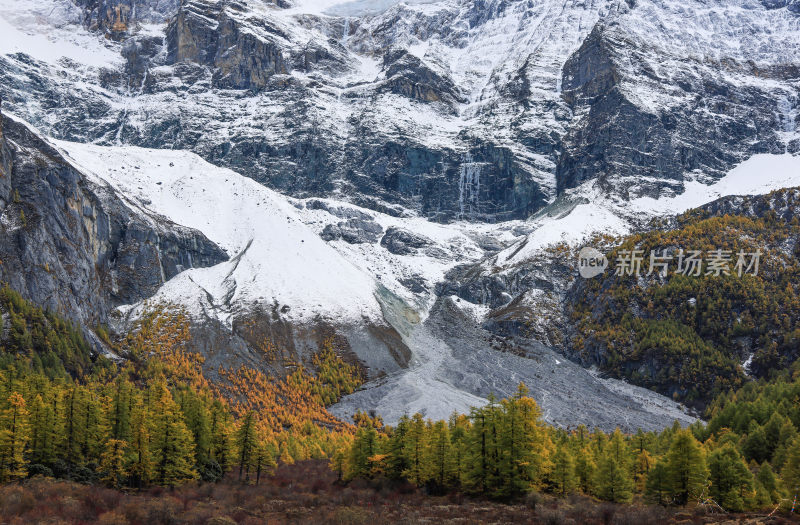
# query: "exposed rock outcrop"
74,247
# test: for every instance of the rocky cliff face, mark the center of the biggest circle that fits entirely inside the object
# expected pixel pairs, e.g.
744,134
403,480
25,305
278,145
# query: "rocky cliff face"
120,17
210,34
516,113
657,101
480,111
74,246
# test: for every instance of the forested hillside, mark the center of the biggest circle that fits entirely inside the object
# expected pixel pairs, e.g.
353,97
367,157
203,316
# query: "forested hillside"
690,336
152,418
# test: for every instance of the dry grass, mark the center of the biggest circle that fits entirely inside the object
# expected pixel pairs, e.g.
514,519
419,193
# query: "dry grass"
307,493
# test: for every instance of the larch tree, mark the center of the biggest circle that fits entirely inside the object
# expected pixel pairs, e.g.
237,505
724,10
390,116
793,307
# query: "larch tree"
687,467
658,487
731,480
438,456
246,444
112,463
396,463
563,475
414,450
459,426
791,469
14,436
172,442
614,481
585,470
140,459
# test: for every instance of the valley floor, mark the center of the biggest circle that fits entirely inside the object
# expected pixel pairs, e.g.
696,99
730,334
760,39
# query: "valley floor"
308,493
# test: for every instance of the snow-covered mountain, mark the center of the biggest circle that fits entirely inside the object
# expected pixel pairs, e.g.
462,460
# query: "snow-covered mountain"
393,173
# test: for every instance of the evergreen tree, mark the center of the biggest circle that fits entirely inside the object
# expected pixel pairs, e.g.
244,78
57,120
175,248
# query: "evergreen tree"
246,444
14,436
413,450
658,488
731,481
438,456
585,470
687,468
172,443
563,473
112,463
791,470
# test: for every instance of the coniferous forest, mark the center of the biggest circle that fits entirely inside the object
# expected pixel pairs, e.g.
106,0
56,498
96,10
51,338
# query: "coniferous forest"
70,419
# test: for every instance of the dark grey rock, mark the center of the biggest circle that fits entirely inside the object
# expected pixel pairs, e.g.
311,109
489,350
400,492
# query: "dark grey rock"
74,247
411,77
403,242
353,231
635,150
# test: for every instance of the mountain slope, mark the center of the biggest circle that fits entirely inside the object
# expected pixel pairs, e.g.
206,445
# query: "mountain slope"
394,175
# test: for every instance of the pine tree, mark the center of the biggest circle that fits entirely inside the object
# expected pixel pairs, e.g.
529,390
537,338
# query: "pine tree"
141,467
791,470
112,463
687,468
246,444
658,488
563,474
14,436
731,481
438,456
614,481
172,443
413,449
585,470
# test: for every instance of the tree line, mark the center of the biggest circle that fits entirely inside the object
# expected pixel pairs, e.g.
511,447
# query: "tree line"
504,451
152,418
